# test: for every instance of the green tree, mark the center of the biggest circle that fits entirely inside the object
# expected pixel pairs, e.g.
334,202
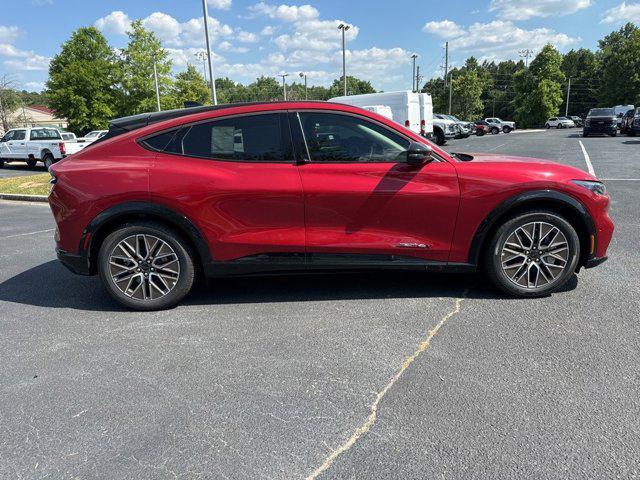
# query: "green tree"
581,66
264,89
189,86
539,89
138,76
83,80
355,86
467,91
619,56
439,95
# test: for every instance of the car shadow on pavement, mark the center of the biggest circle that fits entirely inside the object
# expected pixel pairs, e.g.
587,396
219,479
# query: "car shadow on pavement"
50,285
631,142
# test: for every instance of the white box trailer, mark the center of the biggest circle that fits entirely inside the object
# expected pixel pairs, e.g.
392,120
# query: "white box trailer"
426,113
404,105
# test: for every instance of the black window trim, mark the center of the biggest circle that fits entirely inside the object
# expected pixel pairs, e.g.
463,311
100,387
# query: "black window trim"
289,149
351,114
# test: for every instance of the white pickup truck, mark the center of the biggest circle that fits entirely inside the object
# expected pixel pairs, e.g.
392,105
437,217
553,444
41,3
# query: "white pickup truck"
32,145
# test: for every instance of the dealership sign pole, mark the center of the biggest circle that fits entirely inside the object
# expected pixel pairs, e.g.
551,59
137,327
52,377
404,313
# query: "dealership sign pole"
214,98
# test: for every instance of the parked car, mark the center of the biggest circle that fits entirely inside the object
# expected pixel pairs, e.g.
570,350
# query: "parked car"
464,128
577,120
93,136
32,145
501,125
482,127
633,127
626,127
559,122
600,121
619,112
71,143
300,186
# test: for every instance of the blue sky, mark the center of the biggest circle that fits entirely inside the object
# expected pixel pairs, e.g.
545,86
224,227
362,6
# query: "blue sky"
252,38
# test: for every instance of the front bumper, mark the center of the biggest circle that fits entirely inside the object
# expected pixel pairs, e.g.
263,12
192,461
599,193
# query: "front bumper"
603,129
78,264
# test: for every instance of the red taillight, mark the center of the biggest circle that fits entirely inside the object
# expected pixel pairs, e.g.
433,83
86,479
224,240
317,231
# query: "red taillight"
423,123
407,123
63,150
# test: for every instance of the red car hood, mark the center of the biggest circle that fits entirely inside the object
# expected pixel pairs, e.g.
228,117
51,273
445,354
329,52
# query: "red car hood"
490,157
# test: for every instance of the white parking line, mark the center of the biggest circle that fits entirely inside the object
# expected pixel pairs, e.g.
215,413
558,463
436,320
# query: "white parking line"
496,147
587,159
28,233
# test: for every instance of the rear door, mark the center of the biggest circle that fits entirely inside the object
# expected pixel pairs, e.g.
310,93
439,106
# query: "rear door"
362,199
235,178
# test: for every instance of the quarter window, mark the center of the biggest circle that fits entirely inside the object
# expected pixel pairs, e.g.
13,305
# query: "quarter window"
345,138
45,134
253,138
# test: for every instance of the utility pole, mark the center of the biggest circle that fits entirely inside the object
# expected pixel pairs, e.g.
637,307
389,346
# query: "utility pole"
418,78
202,56
284,84
450,91
344,28
446,62
526,53
304,75
214,97
413,73
566,110
155,82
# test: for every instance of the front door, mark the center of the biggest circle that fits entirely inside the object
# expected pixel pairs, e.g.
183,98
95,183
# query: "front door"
361,197
17,146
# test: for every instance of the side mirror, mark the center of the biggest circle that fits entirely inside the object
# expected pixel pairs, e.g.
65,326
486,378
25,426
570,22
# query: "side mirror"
419,154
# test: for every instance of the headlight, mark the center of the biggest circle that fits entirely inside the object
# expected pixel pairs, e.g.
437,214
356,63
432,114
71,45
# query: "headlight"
596,187
587,122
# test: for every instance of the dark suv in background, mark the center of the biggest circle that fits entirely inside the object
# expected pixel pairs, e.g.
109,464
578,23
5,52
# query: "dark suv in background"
600,121
631,122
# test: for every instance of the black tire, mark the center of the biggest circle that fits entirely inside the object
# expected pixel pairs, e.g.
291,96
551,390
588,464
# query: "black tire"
31,162
179,246
547,126
506,129
559,126
585,134
614,134
492,255
1,162
48,160
480,133
495,131
438,136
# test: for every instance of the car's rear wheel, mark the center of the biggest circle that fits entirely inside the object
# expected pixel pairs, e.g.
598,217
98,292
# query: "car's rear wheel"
547,126
48,160
506,129
559,126
495,131
146,266
532,254
438,135
585,134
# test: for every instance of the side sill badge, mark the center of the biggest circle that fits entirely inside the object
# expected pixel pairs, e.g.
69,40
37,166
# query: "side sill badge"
412,245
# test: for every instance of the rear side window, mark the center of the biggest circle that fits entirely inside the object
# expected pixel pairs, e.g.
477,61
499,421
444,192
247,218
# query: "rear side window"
45,134
250,138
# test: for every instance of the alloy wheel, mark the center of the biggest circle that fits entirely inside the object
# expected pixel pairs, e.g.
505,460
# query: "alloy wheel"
144,267
535,255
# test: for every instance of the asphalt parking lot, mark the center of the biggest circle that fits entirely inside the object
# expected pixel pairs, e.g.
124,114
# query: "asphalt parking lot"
16,169
389,375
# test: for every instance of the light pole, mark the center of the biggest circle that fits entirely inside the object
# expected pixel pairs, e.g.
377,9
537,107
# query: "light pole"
155,82
304,75
202,56
413,73
344,28
526,53
566,110
214,97
284,84
450,90
418,78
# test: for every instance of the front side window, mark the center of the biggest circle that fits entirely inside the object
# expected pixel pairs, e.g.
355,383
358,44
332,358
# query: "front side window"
8,136
251,138
345,138
19,135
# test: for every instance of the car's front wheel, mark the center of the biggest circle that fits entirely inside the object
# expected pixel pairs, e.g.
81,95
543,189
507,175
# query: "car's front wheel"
31,162
146,266
532,254
48,160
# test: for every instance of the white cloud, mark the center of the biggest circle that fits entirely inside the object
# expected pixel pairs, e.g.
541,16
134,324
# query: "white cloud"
22,59
622,13
247,37
181,57
374,63
525,9
286,13
444,28
9,34
220,4
117,23
316,35
166,28
268,30
500,40
226,46
34,86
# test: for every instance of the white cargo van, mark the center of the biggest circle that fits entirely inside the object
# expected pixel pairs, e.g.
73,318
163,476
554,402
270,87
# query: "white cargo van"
404,105
383,110
426,114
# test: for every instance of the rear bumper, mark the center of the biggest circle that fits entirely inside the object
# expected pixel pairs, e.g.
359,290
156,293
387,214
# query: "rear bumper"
78,264
594,262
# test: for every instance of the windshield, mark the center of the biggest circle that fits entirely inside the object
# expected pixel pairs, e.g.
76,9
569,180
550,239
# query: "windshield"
455,119
601,112
92,134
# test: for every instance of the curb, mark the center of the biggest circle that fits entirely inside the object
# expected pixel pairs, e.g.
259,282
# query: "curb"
532,130
23,198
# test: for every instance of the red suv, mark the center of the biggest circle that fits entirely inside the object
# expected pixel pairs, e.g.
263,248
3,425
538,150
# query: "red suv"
295,186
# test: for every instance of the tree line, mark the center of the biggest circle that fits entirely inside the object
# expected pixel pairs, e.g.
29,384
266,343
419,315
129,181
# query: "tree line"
604,78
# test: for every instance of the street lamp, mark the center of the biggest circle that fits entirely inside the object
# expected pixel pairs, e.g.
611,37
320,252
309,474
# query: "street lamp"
344,28
284,84
526,53
155,82
304,75
214,97
202,56
413,74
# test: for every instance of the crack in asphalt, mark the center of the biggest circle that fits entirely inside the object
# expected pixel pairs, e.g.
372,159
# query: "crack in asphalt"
371,419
